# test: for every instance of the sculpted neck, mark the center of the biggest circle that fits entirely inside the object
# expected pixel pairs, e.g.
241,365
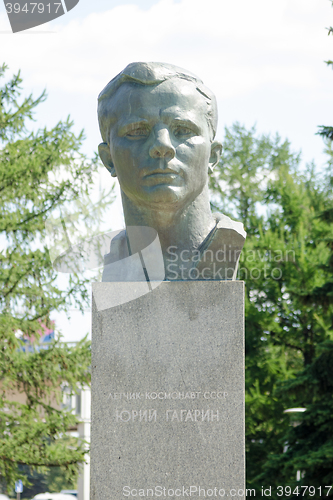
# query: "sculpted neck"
184,227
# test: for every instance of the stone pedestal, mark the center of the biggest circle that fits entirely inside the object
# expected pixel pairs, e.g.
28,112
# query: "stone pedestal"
168,391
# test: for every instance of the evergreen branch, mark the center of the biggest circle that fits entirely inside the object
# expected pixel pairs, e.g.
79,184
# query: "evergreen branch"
284,342
12,288
325,131
42,463
38,215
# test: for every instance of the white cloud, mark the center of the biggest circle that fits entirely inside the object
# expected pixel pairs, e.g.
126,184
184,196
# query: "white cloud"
235,46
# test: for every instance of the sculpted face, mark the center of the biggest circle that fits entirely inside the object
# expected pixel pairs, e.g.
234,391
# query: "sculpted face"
160,143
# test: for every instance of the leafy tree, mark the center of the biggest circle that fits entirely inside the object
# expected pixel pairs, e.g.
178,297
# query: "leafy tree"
42,174
327,131
309,444
259,181
309,447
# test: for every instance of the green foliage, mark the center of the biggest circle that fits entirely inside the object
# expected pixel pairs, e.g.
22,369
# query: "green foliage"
34,432
42,175
284,264
324,130
310,441
55,481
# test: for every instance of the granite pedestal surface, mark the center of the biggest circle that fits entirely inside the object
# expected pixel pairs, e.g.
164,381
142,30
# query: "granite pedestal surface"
168,391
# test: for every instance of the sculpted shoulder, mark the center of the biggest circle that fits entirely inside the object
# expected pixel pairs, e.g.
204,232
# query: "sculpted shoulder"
218,255
224,222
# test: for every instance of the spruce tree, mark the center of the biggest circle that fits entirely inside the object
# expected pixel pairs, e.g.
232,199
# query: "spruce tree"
261,183
308,443
42,174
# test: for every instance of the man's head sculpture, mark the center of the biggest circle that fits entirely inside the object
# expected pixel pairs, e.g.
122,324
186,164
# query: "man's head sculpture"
151,74
158,124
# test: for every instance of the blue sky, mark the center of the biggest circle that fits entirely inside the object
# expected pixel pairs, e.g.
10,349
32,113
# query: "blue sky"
263,59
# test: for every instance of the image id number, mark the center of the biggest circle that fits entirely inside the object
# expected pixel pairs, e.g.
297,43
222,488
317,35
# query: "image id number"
303,490
30,8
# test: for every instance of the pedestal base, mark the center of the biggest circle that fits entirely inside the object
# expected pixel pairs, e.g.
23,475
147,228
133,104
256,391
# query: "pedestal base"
168,391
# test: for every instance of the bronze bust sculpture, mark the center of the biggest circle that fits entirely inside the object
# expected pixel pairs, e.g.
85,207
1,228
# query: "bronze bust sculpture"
158,124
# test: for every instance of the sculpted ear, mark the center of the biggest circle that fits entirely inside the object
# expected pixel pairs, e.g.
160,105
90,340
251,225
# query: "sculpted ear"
215,155
105,156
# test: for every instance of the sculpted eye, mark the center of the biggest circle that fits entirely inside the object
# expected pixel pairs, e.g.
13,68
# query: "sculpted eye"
183,132
138,132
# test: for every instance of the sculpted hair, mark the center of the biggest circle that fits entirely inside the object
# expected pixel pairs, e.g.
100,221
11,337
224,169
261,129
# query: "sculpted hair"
141,73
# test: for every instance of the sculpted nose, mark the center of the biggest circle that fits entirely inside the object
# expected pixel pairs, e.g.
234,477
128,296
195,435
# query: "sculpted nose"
162,147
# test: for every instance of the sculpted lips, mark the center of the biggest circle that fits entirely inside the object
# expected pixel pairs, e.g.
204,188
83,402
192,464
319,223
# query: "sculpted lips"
160,175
